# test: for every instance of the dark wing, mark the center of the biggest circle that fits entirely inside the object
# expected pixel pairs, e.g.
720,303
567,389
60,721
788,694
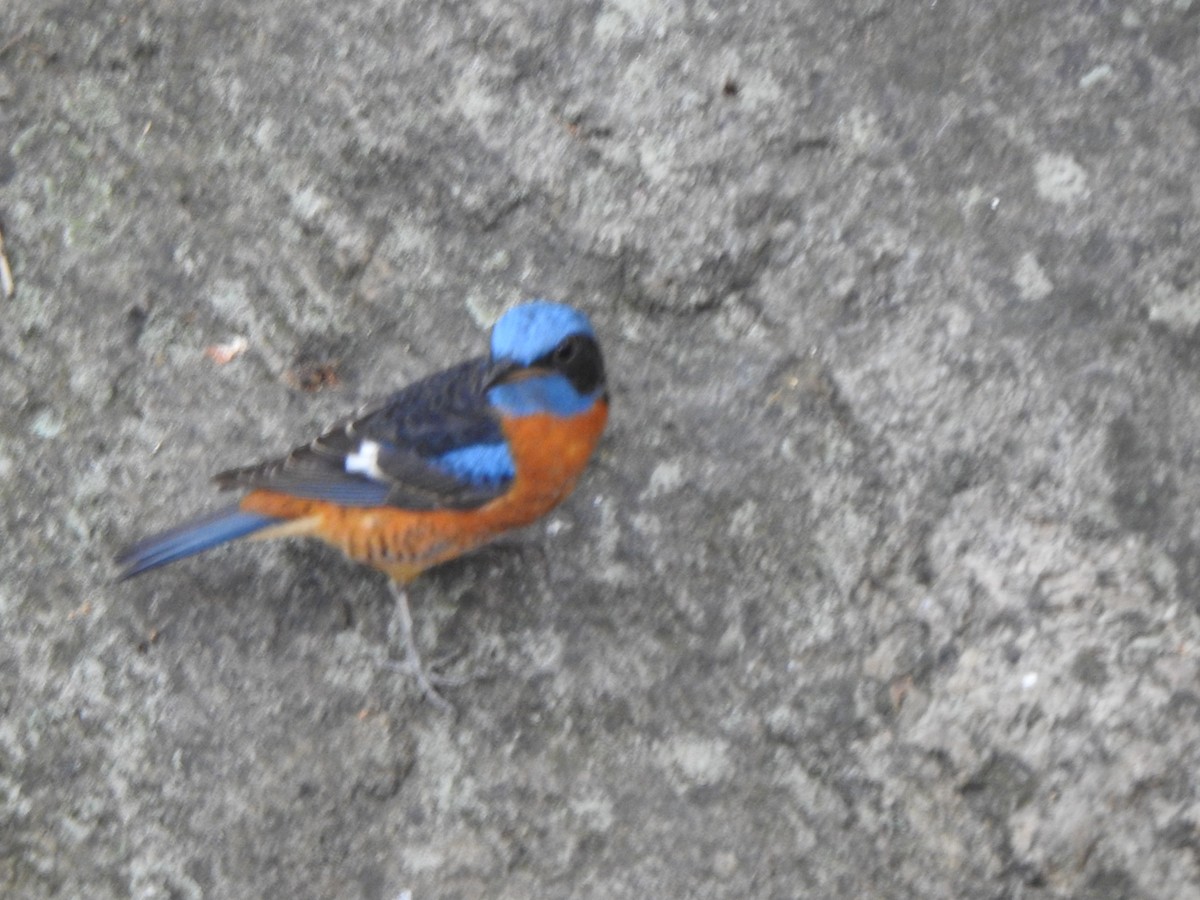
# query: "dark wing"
394,454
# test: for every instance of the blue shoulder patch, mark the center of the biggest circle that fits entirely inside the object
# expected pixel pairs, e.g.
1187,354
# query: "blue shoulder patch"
479,463
531,330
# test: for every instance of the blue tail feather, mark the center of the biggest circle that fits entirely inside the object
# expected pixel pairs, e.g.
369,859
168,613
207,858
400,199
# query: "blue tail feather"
189,538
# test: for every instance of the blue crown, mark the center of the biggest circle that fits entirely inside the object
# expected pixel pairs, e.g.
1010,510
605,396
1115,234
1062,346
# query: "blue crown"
532,330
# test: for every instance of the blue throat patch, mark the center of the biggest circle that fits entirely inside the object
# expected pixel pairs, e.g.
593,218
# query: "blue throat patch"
551,394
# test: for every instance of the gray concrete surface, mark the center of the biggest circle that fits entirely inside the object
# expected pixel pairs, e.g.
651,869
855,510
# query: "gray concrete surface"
886,581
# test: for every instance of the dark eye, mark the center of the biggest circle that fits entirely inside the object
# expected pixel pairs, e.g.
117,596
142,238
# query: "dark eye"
577,358
565,352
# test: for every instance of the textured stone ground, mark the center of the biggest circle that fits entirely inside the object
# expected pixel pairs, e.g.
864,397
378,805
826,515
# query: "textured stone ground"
886,581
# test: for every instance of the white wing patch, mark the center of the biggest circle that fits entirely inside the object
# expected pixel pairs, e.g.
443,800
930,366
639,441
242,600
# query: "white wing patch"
366,461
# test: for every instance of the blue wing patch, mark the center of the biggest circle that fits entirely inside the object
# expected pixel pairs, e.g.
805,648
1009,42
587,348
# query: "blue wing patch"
419,450
481,464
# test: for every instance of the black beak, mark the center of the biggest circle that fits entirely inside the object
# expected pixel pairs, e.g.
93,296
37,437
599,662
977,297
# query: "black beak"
499,372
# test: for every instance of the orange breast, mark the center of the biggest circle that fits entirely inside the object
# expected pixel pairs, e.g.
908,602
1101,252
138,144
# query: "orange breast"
549,454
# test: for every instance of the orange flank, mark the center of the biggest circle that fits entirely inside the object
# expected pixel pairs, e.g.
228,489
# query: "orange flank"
549,454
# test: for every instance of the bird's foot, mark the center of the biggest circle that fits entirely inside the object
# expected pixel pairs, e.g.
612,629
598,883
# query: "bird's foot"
428,679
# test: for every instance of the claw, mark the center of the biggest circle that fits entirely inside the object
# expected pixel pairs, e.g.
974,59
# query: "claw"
412,663
427,680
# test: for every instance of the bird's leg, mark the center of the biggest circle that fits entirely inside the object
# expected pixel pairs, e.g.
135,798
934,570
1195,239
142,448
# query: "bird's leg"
412,657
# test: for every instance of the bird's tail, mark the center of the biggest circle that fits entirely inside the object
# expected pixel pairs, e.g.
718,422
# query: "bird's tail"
191,537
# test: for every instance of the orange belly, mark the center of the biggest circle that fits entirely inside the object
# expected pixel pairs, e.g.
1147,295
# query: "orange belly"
549,454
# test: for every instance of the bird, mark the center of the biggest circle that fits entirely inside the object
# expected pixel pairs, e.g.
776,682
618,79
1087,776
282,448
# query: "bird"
439,468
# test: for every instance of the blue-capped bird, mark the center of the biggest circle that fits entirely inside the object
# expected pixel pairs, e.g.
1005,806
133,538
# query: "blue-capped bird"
442,466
